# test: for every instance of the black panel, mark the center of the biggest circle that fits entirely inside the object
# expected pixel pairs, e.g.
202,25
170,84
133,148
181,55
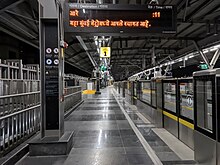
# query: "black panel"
51,75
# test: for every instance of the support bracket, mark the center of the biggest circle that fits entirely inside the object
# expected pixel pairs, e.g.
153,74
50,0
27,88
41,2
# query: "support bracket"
214,58
201,53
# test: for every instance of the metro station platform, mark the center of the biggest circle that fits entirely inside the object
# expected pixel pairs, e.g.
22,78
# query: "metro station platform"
109,131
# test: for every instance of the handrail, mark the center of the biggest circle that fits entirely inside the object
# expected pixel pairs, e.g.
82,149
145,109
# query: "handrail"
18,112
72,87
72,94
19,94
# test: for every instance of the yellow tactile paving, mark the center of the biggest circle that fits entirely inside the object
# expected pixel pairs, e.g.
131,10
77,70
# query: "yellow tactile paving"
88,92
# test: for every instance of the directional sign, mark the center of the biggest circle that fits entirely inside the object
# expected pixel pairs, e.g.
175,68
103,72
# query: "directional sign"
105,52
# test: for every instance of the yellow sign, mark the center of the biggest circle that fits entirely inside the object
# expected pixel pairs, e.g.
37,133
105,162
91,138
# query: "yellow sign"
105,52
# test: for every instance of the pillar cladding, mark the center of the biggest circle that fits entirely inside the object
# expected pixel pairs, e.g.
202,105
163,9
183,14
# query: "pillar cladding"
52,69
53,140
97,83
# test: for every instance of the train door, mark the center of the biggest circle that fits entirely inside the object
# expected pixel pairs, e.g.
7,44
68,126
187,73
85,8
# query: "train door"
205,106
186,111
170,106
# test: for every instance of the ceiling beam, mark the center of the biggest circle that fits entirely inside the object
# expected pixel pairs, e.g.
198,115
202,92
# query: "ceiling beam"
77,66
198,8
86,50
11,5
18,28
19,37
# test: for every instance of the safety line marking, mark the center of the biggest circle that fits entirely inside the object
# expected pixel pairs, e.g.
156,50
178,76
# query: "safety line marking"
186,123
145,144
170,115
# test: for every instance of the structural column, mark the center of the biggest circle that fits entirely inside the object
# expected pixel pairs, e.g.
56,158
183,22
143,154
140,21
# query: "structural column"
53,140
97,82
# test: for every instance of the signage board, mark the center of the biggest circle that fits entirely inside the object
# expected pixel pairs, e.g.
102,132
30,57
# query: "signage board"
105,52
111,18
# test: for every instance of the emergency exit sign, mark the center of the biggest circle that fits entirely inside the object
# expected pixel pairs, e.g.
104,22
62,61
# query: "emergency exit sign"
105,52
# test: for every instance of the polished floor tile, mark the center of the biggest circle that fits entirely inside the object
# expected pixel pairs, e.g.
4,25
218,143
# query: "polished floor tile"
94,112
100,102
97,142
100,105
137,159
131,141
127,132
167,156
101,108
92,117
96,151
98,133
90,125
103,136
120,117
97,159
42,160
135,150
123,124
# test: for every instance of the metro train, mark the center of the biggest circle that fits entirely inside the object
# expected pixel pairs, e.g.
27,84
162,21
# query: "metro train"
186,107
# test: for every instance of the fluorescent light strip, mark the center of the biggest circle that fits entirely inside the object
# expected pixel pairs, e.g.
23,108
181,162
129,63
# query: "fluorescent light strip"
191,55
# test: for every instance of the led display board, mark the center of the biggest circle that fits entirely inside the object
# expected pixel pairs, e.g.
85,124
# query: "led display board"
95,18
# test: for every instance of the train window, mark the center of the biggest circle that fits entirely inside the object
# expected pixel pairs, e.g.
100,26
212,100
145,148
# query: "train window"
146,92
204,104
153,91
186,97
170,96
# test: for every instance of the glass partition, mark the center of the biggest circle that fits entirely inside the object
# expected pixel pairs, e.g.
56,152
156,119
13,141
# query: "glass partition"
204,104
146,92
135,88
186,100
169,90
153,92
129,87
159,94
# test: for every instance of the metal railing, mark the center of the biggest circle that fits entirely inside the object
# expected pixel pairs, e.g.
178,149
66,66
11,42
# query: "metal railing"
72,97
14,69
19,118
9,87
20,115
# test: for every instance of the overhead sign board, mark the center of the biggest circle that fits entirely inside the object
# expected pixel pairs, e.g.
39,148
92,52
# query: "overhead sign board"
105,52
95,18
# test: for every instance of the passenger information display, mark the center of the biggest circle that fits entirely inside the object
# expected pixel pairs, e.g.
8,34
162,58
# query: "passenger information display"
120,18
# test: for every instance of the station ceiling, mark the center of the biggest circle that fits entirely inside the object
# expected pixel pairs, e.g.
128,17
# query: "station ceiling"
196,21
